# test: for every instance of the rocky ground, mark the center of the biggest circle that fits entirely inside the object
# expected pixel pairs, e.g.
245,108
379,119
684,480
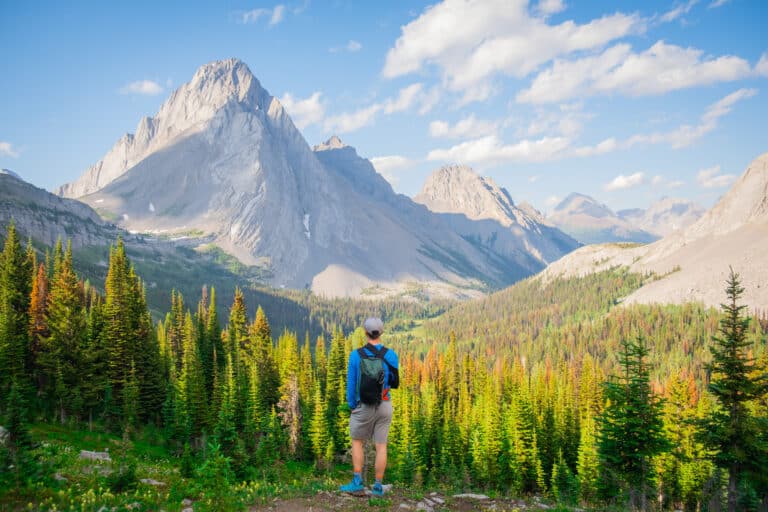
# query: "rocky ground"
401,501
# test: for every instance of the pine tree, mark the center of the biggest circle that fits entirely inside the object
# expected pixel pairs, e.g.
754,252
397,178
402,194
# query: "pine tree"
61,358
192,381
631,428
94,379
15,287
319,432
732,431
38,326
262,355
588,463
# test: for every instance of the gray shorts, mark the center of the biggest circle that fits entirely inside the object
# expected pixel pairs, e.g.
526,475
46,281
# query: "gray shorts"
370,421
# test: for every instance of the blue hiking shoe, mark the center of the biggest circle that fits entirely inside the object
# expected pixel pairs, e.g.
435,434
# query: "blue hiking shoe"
378,489
353,487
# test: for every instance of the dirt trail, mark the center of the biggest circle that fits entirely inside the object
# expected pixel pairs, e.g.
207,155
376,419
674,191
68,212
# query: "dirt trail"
398,501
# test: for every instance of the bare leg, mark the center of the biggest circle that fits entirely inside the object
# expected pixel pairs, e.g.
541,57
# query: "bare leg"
381,460
357,455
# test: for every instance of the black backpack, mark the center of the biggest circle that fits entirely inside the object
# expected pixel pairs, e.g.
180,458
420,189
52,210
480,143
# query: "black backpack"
372,374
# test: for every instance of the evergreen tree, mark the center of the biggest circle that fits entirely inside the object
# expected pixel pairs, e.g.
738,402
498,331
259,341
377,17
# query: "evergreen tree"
631,429
192,381
61,358
588,463
38,326
319,429
732,431
15,287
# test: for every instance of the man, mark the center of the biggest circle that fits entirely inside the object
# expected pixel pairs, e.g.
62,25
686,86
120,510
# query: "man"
370,415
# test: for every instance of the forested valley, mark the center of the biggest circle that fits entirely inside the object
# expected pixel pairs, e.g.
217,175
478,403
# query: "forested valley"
554,390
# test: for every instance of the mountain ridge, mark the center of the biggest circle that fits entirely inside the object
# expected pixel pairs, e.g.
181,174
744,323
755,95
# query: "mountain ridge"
694,262
223,158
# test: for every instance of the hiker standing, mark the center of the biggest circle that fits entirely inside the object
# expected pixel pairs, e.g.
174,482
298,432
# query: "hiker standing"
372,372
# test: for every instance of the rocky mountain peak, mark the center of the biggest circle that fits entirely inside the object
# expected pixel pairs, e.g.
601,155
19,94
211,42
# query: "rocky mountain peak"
218,92
9,172
581,203
333,143
458,189
745,203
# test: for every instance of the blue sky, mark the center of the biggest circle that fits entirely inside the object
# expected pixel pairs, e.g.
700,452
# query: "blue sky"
624,101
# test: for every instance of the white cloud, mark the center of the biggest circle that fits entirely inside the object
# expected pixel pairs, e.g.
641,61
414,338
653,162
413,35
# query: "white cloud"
566,120
6,149
533,179
388,165
352,46
660,69
681,136
761,68
469,127
275,15
304,112
605,146
717,3
253,16
351,121
621,182
145,87
546,7
678,11
491,150
661,181
711,178
429,100
470,41
552,201
407,98
278,14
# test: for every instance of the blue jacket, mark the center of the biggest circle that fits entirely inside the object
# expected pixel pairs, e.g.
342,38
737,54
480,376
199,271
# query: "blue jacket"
353,374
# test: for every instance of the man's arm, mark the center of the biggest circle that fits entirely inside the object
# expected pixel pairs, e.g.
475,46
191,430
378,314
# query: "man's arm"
393,366
353,374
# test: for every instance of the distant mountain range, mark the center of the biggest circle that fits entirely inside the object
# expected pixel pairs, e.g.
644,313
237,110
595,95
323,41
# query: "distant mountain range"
695,260
591,222
223,160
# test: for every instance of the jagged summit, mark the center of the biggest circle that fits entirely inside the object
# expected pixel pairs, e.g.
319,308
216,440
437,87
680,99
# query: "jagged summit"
9,172
333,143
745,203
581,203
590,221
483,211
219,92
458,189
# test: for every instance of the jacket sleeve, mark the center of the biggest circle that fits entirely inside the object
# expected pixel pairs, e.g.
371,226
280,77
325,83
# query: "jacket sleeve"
353,375
393,366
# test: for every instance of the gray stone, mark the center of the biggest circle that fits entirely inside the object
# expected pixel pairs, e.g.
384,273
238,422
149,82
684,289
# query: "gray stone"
151,481
89,455
186,502
437,500
471,496
59,478
188,509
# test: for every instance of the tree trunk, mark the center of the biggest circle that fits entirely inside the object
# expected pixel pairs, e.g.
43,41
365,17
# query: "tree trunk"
732,490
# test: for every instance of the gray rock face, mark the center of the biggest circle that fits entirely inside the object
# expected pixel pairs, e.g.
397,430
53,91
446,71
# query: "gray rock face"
482,211
664,216
696,260
591,222
223,158
46,217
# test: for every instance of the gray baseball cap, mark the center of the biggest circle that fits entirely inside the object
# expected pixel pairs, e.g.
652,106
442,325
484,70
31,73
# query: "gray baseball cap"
373,327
